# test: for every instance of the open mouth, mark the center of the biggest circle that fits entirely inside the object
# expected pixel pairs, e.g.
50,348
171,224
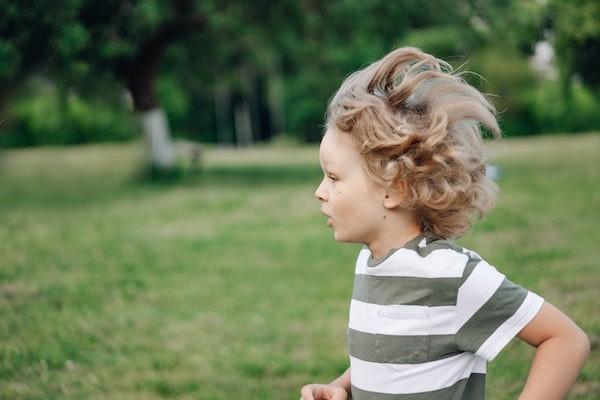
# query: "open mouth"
329,219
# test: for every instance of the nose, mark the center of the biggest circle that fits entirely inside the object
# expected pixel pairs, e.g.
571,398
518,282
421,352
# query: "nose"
320,193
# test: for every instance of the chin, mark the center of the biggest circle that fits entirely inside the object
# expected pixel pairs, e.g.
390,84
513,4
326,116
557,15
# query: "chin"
338,237
344,239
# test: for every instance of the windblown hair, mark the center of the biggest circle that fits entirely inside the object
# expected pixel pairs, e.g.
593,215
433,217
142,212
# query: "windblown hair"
418,125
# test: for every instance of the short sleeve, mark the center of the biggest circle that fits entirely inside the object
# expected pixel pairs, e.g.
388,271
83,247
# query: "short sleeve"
491,310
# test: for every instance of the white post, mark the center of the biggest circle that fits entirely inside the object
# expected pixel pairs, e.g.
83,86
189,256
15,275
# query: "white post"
243,124
158,139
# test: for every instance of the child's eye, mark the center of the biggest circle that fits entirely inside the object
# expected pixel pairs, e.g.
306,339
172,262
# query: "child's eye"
333,178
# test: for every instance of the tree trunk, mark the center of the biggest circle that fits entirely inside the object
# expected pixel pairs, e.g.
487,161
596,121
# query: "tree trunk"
153,120
140,74
159,148
244,110
275,97
222,96
157,136
243,124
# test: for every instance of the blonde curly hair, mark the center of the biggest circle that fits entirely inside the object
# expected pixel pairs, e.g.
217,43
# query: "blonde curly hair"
418,125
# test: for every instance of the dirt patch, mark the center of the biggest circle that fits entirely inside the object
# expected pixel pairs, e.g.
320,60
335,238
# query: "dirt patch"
14,292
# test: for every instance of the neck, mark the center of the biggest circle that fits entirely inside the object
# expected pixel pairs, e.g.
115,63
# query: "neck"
394,239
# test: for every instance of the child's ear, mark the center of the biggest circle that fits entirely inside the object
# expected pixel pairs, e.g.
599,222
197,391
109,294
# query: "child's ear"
394,195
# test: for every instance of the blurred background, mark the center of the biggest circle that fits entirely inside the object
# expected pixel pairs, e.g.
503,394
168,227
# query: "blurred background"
158,233
234,72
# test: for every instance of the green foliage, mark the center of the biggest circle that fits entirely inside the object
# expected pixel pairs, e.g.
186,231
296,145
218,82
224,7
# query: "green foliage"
553,113
504,74
577,39
175,99
54,118
340,37
445,42
528,104
72,38
88,45
9,59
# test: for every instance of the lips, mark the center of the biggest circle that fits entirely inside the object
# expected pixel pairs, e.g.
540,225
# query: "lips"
329,219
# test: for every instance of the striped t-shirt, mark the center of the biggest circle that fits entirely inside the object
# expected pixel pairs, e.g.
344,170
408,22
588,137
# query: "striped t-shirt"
425,319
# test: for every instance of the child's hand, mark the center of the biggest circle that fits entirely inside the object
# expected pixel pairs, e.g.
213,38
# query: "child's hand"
316,391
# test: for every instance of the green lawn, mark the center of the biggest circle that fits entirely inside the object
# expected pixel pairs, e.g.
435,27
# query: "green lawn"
229,285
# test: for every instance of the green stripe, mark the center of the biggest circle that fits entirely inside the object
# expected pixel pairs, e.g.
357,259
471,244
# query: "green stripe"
373,262
469,267
471,388
398,349
386,290
501,306
439,244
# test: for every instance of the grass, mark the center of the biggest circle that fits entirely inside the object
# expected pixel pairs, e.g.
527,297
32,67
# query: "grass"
229,285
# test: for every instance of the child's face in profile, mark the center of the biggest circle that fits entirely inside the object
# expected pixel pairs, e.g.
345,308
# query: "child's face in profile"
348,196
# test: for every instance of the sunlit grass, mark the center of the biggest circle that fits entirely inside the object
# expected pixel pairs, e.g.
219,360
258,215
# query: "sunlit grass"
228,284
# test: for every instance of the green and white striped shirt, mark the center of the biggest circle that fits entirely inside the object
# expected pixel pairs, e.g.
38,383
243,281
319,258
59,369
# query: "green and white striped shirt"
425,319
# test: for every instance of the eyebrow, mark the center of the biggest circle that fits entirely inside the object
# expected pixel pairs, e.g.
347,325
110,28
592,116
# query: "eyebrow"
330,169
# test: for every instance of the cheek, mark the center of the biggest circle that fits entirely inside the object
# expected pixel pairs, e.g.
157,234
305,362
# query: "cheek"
358,206
345,206
338,200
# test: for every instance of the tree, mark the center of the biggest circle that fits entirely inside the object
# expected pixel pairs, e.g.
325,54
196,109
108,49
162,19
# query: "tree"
33,36
84,42
129,39
577,40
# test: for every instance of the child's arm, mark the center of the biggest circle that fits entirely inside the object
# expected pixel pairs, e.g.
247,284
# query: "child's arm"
343,381
338,389
562,348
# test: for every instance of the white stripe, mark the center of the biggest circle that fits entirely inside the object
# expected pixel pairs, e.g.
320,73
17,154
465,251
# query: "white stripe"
401,319
509,328
476,291
438,320
442,320
441,263
363,316
361,260
413,378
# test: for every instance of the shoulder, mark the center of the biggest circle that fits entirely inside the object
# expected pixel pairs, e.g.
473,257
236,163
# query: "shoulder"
436,248
448,252
431,244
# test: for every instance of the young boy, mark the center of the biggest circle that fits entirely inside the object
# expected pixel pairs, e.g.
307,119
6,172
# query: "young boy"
404,175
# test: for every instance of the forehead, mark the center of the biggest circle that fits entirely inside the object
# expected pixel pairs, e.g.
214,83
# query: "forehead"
338,148
340,153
